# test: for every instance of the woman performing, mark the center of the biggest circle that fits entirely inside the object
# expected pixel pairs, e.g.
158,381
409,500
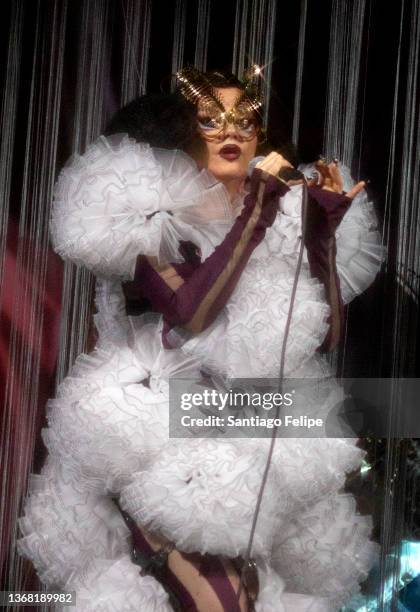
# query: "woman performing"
126,516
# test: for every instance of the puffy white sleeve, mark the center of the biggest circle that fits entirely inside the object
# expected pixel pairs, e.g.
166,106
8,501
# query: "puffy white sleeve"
360,252
120,199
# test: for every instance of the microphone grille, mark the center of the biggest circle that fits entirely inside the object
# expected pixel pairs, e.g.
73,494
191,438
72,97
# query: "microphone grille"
252,164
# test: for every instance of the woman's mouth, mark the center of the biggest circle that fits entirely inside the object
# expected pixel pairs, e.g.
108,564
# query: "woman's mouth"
230,152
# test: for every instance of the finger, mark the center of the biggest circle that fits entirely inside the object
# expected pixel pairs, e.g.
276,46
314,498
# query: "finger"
280,163
264,161
322,168
274,155
273,163
278,160
267,161
330,176
274,169
320,162
356,189
320,180
271,156
334,171
336,178
269,165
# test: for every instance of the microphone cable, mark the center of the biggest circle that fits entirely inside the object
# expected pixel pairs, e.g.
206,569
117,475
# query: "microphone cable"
285,174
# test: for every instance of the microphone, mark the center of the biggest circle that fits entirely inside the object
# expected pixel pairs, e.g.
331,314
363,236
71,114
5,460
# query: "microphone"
287,173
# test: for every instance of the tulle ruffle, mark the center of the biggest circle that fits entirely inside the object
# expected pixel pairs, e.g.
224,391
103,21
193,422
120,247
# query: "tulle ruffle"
108,432
66,527
117,586
201,494
273,598
246,339
120,198
325,550
111,413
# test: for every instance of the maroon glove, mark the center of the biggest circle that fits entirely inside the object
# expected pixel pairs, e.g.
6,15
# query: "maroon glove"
326,210
208,285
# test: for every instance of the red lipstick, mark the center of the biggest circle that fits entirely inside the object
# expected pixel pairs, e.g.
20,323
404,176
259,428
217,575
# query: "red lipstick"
231,152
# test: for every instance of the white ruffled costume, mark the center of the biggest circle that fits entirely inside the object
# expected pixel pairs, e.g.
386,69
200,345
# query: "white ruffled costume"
108,432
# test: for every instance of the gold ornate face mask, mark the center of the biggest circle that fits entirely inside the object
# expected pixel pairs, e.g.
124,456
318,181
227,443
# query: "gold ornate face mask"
213,118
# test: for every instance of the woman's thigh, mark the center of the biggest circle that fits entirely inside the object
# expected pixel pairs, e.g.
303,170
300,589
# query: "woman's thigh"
200,583
212,582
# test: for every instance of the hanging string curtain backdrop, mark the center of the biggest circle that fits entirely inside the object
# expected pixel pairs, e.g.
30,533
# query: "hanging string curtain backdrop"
339,77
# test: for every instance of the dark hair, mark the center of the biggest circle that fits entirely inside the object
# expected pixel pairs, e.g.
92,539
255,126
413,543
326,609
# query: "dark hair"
169,121
163,120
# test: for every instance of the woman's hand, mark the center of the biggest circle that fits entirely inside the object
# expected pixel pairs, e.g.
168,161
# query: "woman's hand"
273,163
330,179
